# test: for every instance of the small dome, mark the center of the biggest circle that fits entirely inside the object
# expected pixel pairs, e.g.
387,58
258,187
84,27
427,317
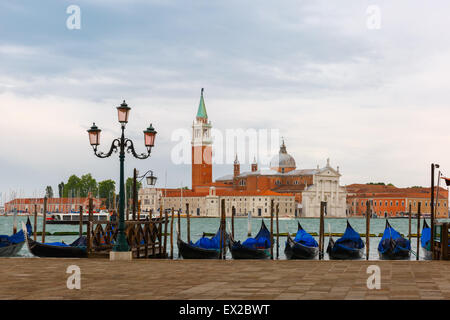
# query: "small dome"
282,160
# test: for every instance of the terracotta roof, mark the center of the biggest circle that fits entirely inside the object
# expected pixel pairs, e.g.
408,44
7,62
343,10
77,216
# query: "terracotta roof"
227,193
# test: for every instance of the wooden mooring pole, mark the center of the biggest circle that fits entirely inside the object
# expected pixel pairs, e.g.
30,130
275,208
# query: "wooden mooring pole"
368,214
233,212
222,230
15,222
409,223
81,222
45,220
166,218
89,228
271,228
160,229
134,194
171,235
418,229
179,229
188,223
249,224
35,223
321,229
432,211
278,229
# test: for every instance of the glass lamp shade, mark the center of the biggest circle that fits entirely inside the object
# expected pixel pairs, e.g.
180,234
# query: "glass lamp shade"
94,135
149,136
123,112
151,180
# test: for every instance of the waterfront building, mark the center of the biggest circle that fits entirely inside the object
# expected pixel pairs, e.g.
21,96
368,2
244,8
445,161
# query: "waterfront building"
298,192
54,205
390,201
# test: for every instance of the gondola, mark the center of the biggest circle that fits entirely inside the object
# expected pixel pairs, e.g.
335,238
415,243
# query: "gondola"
393,246
349,246
11,245
252,248
204,248
425,240
303,246
76,249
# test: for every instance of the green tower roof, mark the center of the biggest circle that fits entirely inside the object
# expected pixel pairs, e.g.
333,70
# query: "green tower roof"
201,113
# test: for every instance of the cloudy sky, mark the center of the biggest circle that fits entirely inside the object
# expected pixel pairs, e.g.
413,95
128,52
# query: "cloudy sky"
375,101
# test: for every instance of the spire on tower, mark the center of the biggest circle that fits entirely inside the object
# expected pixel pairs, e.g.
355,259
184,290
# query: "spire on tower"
201,113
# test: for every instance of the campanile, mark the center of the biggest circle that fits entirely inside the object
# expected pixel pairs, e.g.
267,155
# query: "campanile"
201,147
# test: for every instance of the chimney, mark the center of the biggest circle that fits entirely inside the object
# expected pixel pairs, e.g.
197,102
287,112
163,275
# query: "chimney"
254,165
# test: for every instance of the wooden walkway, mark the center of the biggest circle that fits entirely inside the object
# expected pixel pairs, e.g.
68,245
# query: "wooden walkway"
35,278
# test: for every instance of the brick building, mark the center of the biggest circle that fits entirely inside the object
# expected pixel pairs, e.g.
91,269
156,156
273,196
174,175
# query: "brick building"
389,201
54,205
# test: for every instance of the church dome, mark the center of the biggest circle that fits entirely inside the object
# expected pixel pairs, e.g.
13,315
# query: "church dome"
283,161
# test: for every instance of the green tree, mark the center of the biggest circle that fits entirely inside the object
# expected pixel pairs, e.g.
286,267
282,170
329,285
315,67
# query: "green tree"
129,188
72,187
49,192
61,189
88,184
107,190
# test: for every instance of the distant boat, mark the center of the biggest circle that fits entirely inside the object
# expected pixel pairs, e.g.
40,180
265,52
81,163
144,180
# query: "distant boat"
11,245
303,246
392,245
204,248
252,248
425,240
349,246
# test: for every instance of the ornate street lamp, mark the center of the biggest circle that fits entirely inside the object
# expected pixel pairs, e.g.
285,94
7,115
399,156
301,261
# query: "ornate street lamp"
120,144
151,181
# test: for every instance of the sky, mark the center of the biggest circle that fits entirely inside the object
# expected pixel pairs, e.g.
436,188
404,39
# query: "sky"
371,97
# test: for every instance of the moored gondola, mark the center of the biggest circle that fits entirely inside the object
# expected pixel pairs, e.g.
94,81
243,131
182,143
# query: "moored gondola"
11,245
393,246
425,240
303,246
76,249
204,248
252,248
349,246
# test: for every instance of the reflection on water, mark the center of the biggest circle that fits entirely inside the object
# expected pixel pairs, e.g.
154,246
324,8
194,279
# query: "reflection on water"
210,225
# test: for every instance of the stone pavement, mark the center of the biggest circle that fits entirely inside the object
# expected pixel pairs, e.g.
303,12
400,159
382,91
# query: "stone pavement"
36,278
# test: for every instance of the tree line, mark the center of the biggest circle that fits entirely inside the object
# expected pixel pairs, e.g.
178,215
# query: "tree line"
87,185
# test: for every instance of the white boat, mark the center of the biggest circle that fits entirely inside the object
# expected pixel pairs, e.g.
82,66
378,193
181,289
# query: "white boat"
74,217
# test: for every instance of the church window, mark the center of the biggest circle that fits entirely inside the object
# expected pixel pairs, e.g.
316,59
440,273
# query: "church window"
396,203
295,182
282,170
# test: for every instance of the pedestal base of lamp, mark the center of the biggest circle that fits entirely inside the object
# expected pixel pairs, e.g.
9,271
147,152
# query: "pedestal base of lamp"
120,256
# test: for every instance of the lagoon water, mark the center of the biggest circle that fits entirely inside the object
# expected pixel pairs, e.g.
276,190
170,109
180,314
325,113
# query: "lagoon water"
210,225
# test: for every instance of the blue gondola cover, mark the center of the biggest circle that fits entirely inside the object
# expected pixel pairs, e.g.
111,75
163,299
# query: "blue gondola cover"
305,239
392,234
350,239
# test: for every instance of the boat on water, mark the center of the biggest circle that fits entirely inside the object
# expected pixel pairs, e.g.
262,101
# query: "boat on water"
204,248
11,245
425,240
393,246
76,249
303,246
349,246
73,217
252,248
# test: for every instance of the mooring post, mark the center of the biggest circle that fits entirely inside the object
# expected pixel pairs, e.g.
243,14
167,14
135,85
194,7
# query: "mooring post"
409,223
81,221
249,224
222,247
89,228
271,228
45,220
35,222
432,210
321,229
233,212
368,214
278,228
134,194
15,222
139,210
179,229
444,241
171,235
188,223
166,218
418,230
161,210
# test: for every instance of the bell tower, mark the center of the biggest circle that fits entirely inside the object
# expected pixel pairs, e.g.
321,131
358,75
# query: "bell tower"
201,147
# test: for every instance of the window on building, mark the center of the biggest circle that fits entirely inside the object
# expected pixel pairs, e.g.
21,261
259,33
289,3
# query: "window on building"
396,203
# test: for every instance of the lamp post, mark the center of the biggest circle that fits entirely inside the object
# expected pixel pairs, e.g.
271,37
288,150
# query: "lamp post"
120,144
151,181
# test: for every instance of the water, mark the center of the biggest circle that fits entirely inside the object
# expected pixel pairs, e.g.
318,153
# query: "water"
210,225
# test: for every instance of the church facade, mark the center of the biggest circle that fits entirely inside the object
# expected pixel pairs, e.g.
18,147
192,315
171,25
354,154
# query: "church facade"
298,192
